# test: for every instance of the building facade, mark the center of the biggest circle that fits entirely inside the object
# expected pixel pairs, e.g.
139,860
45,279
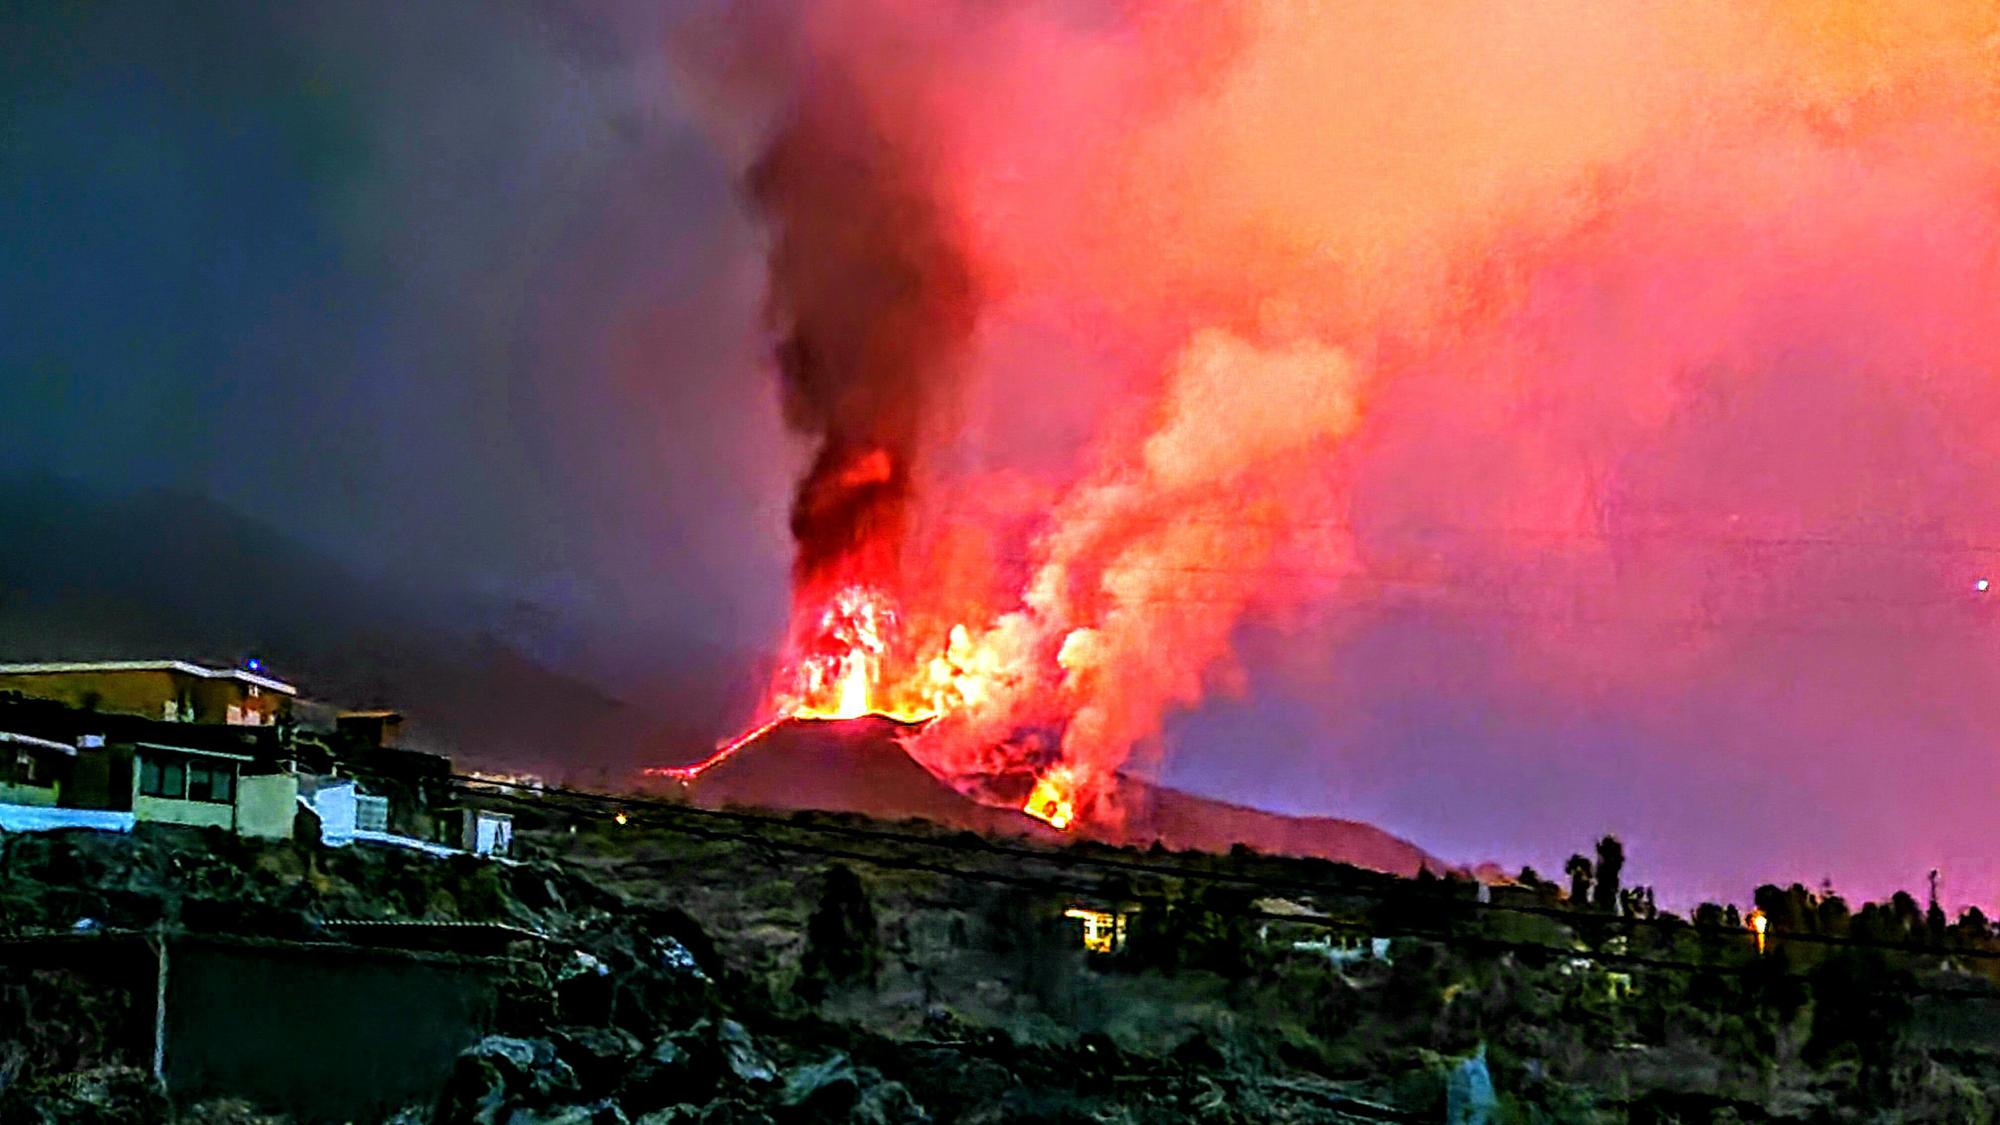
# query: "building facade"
203,787
169,690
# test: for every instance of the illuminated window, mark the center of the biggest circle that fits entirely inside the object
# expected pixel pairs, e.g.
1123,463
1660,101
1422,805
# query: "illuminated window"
1103,931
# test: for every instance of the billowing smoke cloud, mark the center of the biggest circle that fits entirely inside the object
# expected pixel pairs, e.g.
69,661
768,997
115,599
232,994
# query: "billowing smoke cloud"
1598,325
874,303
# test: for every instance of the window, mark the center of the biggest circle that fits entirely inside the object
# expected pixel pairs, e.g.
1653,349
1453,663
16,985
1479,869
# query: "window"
179,779
371,814
1103,931
163,777
211,781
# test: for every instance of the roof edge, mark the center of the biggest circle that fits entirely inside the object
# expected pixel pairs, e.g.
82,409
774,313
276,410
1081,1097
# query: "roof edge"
66,666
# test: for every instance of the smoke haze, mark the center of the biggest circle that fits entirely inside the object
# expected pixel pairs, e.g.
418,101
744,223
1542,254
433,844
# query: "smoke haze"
1500,424
1635,363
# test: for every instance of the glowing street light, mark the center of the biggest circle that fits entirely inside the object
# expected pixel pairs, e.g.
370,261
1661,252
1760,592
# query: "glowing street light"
1758,924
620,818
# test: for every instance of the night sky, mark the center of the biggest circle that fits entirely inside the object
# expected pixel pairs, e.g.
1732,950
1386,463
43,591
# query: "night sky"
464,298
443,291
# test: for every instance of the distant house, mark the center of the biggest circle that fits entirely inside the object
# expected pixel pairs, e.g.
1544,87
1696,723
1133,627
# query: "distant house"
370,729
1102,930
33,770
338,812
1346,947
479,831
169,690
58,758
79,739
178,782
410,783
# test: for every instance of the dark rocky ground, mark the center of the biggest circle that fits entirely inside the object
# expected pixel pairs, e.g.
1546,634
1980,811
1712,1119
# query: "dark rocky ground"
832,969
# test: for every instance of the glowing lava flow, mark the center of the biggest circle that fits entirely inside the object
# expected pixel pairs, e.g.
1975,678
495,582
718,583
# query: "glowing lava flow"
722,754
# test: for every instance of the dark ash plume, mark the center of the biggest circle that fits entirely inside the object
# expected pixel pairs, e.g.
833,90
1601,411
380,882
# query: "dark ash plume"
873,298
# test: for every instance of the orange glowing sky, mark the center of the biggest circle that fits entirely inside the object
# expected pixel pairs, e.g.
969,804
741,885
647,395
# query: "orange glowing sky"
1641,341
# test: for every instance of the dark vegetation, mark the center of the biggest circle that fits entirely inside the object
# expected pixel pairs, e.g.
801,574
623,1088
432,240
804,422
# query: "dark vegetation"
826,967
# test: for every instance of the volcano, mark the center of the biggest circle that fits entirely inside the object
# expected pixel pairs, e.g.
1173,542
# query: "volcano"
856,765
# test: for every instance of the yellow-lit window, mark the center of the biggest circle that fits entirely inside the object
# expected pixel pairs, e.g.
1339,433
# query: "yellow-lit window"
1103,931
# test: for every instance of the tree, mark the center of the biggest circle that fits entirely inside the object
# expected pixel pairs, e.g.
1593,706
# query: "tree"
1861,1004
1578,870
841,939
1610,863
1213,930
1792,910
1909,917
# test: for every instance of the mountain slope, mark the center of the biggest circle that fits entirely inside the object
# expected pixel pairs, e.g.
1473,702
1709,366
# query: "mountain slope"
86,575
856,766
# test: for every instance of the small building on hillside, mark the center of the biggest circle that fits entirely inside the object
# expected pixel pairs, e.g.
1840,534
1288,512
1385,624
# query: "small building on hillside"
119,766
413,784
170,690
1101,928
59,758
476,830
374,730
33,770
39,744
183,782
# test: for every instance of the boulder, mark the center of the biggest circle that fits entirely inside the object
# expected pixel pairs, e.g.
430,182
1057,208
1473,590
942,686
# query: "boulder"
889,1103
640,979
679,1069
606,1112
823,1090
600,1056
837,1090
741,1056
109,1095
685,1066
585,990
500,1073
